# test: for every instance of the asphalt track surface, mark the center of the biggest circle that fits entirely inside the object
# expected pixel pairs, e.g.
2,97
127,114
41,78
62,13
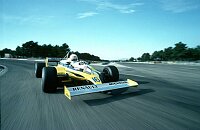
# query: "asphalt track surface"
168,97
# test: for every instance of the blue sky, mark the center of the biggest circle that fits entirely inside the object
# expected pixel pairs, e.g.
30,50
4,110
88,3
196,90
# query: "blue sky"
111,29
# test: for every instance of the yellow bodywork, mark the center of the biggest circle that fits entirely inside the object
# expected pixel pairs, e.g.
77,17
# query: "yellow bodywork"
61,70
132,83
67,93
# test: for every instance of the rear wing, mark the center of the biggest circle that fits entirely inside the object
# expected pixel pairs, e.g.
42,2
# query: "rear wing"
86,89
52,60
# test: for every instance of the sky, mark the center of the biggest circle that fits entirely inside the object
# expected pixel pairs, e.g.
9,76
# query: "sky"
110,29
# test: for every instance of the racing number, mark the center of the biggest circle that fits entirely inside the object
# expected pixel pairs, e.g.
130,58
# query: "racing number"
96,79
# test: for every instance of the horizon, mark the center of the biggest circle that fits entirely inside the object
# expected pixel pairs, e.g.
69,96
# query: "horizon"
110,29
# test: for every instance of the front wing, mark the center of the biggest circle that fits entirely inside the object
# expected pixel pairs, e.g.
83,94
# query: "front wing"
86,89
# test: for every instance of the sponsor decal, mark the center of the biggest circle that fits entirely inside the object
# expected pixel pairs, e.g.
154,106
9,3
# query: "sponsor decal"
116,83
96,79
84,87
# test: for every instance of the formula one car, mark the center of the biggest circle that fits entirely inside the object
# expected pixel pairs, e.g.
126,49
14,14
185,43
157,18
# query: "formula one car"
78,77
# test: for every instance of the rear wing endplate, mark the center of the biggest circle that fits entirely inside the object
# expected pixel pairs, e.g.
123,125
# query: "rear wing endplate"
86,89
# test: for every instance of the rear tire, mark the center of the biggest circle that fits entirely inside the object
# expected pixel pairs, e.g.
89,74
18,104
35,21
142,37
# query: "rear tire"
38,69
49,79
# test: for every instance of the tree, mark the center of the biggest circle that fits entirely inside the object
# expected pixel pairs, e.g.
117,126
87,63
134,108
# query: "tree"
139,58
30,49
193,53
154,56
179,51
168,52
197,53
1,53
87,56
132,59
145,57
19,51
6,50
63,49
46,50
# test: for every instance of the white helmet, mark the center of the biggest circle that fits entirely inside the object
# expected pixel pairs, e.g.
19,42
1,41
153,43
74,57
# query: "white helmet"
73,57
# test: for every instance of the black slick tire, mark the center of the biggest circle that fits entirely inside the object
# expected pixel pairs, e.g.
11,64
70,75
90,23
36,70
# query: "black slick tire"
49,79
111,74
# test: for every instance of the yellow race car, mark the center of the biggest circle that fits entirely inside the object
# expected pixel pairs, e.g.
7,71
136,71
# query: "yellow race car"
78,77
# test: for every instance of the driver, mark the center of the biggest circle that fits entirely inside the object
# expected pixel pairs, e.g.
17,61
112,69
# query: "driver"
72,58
75,63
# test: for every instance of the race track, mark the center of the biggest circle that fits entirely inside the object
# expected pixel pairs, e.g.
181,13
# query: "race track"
168,97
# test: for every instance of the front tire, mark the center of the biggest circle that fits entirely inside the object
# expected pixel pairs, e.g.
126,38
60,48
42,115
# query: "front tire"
49,79
111,74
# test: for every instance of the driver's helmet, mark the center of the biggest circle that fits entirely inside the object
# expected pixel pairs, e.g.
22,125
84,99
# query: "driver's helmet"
73,57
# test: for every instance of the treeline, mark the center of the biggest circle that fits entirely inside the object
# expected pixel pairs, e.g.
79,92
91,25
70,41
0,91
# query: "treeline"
178,53
87,56
33,49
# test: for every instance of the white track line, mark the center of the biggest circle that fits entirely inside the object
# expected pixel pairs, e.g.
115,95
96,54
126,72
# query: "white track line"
5,69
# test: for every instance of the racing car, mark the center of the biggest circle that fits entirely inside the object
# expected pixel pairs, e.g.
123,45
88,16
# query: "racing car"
79,77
